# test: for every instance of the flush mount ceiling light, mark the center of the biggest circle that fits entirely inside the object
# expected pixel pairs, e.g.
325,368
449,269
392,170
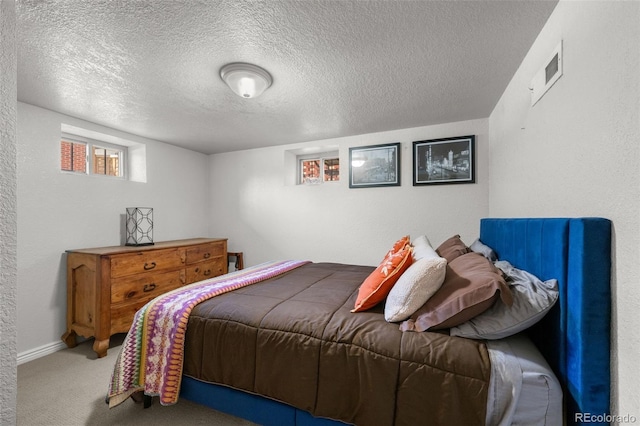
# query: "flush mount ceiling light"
246,80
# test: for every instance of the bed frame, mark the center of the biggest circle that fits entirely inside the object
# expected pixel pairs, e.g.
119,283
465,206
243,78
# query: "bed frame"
574,337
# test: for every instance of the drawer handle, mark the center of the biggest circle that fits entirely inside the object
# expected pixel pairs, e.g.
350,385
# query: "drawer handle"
149,266
149,287
207,272
207,255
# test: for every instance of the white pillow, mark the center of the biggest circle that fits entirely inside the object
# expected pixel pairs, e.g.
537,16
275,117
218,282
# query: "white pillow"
423,249
532,299
414,287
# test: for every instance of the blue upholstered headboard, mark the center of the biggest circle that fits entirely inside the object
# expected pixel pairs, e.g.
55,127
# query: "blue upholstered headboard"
575,336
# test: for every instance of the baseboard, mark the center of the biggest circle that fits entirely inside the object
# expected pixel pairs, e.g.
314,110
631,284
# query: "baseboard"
39,352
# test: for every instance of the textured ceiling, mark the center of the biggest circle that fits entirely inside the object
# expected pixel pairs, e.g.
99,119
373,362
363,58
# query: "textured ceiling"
340,68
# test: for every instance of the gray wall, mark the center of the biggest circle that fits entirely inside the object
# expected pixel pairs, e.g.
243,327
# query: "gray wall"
8,212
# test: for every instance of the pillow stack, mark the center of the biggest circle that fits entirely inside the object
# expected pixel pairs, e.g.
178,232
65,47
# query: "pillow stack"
455,287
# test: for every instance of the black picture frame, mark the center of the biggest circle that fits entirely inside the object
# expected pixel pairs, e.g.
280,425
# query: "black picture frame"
374,165
444,161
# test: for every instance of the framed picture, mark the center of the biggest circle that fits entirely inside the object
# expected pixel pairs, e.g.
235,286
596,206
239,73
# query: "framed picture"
375,165
442,161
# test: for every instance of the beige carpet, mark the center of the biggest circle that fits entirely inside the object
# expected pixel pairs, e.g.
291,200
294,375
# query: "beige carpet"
68,388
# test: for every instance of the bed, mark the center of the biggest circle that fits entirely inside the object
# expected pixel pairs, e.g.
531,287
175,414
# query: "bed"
248,352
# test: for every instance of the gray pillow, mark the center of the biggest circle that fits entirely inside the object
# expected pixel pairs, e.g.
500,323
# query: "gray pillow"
532,299
480,247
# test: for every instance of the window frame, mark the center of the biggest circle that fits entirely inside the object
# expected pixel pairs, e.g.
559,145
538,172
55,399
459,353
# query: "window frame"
90,146
324,168
73,155
321,157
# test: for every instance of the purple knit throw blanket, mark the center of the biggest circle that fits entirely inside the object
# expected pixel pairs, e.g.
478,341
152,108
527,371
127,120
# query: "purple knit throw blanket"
151,356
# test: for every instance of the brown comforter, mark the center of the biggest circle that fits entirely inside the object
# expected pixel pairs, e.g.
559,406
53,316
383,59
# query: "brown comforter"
293,339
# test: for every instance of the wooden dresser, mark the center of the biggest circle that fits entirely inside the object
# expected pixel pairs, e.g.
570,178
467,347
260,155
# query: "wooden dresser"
107,285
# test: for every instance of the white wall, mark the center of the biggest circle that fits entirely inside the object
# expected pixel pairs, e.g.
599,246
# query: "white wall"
576,152
254,204
59,211
8,213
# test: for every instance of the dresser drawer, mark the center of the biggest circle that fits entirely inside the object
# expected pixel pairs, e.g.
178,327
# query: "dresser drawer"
122,315
128,289
205,270
205,252
146,261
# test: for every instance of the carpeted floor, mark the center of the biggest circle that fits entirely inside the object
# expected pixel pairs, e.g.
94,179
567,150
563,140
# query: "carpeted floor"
68,388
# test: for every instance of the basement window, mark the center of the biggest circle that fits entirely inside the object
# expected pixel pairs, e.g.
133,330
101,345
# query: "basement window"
311,165
107,161
86,156
73,156
319,169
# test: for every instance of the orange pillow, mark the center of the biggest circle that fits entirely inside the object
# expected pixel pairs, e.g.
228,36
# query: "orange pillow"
378,284
400,244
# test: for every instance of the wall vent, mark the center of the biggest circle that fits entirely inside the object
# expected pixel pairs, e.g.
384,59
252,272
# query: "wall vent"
547,75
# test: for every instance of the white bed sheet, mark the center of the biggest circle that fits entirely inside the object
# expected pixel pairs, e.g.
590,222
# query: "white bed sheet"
523,389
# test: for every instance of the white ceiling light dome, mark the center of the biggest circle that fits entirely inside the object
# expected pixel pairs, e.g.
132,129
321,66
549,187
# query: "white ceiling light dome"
246,80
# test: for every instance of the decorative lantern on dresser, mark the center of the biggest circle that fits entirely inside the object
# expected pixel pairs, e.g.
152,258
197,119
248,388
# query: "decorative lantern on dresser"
107,285
139,226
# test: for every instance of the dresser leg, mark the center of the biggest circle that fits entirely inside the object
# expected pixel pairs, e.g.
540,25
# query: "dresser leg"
100,347
69,338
